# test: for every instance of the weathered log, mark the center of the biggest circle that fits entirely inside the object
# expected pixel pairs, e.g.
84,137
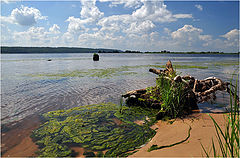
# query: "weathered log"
134,92
166,71
156,71
197,90
169,67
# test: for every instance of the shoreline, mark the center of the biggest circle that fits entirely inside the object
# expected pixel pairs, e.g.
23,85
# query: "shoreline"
202,131
16,141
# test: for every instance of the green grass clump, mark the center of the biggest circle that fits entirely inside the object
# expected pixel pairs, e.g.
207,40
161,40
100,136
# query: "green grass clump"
170,96
228,140
93,128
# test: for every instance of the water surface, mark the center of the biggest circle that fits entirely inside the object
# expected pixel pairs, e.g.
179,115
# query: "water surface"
32,85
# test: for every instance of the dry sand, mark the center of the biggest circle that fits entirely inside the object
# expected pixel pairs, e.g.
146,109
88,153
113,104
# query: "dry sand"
17,143
202,131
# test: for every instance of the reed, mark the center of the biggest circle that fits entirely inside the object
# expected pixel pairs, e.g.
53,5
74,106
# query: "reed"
228,138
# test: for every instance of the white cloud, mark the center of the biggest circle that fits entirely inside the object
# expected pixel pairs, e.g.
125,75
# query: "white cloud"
199,7
186,32
231,35
167,30
182,16
190,36
232,38
140,27
151,11
25,16
76,25
55,29
155,11
89,14
37,36
126,3
90,11
6,35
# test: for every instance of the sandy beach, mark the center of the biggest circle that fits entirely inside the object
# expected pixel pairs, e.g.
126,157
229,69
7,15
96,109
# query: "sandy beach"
202,131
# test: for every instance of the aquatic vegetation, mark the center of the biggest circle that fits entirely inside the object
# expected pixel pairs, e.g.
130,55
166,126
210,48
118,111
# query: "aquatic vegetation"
176,66
101,73
228,138
93,128
109,72
226,63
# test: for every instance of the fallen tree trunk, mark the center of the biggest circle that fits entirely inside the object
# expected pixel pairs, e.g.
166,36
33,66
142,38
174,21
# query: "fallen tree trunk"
196,90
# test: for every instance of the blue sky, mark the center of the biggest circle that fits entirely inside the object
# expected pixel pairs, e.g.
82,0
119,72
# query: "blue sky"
122,24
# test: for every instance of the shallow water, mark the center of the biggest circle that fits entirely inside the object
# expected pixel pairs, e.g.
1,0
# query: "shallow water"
32,85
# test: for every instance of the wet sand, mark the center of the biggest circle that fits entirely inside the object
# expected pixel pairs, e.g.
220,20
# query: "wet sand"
17,143
202,132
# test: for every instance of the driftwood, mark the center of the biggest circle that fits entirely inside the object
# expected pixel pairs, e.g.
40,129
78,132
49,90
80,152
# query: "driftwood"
198,90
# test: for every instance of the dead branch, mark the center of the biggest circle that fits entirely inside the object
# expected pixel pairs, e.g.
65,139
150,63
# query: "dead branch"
201,89
134,92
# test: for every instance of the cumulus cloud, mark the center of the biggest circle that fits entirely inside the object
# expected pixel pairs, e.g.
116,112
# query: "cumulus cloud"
140,27
126,3
232,38
90,11
190,36
88,15
199,7
25,16
6,35
150,12
55,29
76,25
37,36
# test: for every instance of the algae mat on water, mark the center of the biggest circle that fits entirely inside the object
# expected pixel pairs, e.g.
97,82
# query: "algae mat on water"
94,127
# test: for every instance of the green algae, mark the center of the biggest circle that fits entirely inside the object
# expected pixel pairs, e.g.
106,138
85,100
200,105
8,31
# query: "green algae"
226,63
93,128
109,72
100,73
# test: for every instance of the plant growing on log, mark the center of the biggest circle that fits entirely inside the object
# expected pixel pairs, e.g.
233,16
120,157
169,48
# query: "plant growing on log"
176,95
172,97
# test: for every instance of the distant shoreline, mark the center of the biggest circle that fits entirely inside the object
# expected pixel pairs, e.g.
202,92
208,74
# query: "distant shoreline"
59,50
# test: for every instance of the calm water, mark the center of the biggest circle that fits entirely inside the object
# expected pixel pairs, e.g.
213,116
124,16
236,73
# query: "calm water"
25,90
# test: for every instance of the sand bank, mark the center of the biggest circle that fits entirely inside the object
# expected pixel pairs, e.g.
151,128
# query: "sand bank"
202,131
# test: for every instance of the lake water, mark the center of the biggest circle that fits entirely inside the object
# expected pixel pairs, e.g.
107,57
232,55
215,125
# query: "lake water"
30,84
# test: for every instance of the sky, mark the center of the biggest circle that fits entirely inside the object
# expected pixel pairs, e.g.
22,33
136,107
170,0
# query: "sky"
138,25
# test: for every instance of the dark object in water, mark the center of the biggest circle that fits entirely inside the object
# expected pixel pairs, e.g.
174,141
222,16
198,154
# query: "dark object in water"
49,60
95,57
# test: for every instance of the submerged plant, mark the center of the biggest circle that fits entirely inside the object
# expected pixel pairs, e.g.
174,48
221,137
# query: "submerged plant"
228,140
95,128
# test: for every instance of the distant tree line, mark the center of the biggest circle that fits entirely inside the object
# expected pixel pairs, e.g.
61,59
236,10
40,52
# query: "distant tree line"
28,50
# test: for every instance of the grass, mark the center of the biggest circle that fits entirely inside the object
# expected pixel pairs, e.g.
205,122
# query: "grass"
228,139
170,94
